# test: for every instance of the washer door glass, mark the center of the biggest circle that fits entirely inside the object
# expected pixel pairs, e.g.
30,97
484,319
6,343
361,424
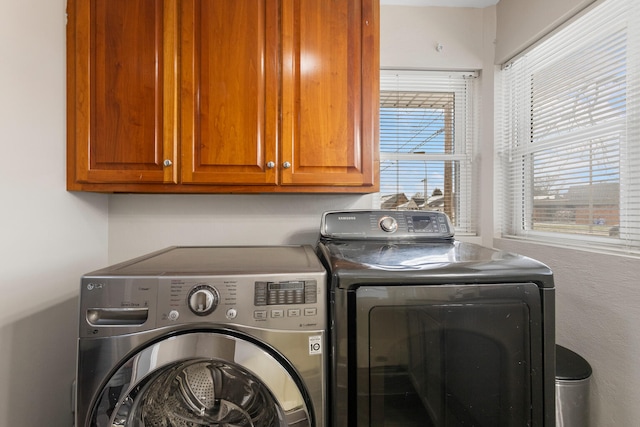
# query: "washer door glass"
202,379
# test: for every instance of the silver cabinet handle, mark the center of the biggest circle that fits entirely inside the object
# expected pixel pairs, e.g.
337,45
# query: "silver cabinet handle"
167,162
286,165
271,165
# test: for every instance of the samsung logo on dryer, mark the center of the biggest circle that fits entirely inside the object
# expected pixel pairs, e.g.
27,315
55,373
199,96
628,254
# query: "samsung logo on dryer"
346,218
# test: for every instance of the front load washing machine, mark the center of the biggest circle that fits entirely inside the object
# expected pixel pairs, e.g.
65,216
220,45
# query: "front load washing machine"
204,336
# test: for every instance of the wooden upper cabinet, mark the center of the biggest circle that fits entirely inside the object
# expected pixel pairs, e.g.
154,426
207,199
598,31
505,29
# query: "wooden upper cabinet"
330,92
229,96
117,129
223,95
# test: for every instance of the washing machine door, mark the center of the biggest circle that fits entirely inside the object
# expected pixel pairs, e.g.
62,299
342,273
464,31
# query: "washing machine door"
203,379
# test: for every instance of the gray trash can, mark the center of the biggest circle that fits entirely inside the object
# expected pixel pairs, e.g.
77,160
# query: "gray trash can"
573,375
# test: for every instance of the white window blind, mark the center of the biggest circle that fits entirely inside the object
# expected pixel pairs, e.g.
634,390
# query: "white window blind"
427,138
570,140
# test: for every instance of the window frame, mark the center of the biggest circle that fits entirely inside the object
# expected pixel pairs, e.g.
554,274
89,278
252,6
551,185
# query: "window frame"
515,120
464,133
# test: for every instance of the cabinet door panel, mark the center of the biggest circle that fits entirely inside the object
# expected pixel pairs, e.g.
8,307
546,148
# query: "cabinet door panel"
118,113
329,100
229,91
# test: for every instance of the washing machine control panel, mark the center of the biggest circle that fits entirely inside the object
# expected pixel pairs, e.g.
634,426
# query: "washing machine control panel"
286,293
279,288
275,302
280,302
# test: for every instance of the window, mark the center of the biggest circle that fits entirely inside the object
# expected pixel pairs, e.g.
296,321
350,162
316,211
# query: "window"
570,142
427,137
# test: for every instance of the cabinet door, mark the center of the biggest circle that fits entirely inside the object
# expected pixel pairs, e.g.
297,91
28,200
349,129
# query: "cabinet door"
120,91
330,92
229,91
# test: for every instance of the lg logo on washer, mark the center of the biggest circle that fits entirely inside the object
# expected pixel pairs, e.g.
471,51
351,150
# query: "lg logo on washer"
91,286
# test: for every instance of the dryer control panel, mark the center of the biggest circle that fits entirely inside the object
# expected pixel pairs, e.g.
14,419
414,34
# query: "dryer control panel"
386,225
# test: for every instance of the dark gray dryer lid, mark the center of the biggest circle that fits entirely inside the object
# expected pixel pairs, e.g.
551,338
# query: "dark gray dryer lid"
358,262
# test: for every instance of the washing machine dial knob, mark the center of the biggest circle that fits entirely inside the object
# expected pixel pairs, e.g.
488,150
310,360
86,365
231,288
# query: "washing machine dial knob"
388,224
203,299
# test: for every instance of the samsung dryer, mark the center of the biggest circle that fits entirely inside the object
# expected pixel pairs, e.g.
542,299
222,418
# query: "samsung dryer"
428,331
204,336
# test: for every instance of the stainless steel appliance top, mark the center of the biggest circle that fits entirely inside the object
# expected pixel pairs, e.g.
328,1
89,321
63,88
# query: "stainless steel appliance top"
218,260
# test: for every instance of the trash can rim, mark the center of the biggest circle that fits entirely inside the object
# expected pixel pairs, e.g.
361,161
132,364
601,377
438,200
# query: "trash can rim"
570,365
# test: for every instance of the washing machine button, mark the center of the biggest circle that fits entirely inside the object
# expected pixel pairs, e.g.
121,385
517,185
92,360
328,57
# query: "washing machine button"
260,314
293,312
173,315
232,313
310,311
277,313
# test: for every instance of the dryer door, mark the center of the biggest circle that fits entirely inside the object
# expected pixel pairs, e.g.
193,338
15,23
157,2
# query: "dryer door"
203,379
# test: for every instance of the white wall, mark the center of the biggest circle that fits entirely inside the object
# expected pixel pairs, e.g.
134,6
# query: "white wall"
48,237
409,36
521,22
139,224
